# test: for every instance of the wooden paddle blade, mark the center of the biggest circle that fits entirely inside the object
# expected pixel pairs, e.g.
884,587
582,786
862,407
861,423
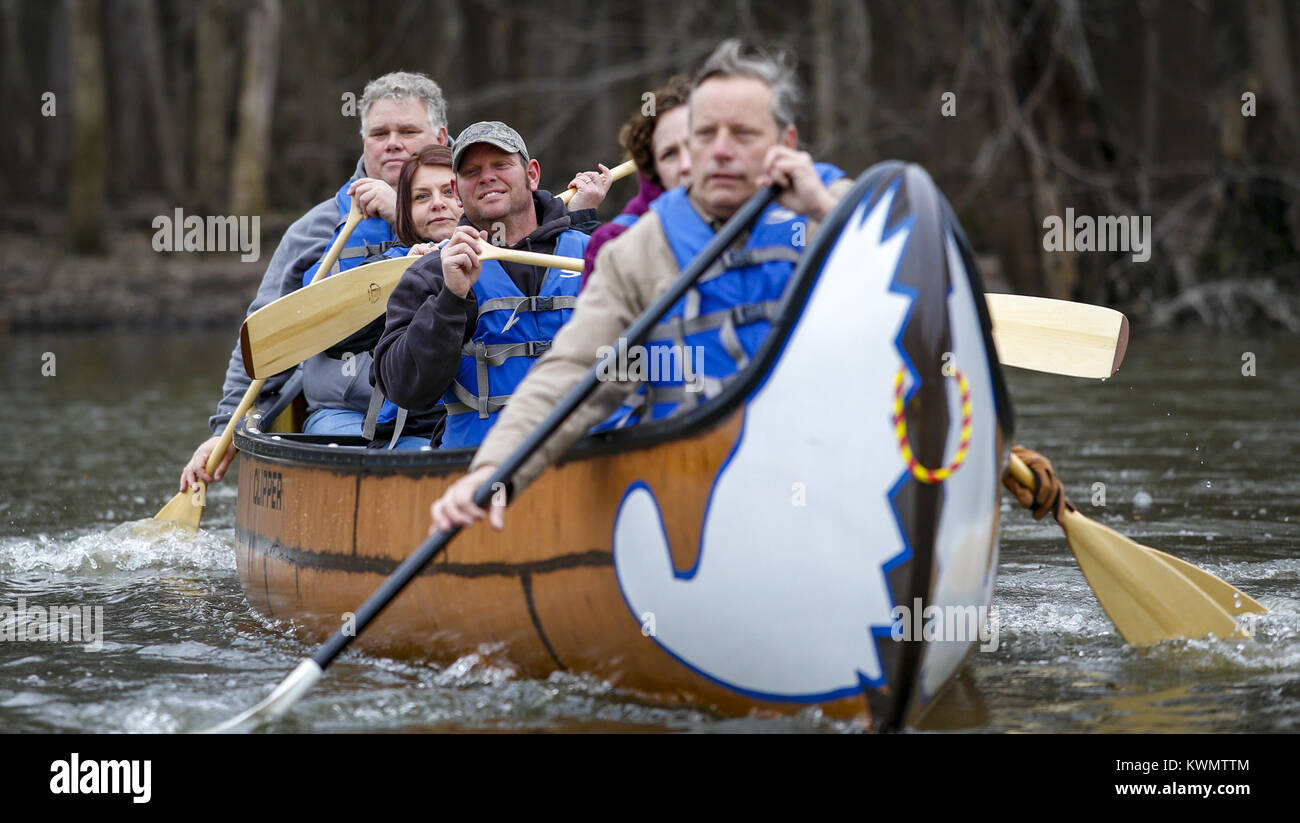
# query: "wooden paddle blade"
306,322
1231,599
184,509
1146,598
1057,336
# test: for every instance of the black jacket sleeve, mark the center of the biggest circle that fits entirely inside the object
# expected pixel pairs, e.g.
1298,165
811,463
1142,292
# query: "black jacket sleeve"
584,220
425,327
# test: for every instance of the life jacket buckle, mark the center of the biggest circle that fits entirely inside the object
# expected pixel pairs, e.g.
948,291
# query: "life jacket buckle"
544,303
536,348
748,313
735,259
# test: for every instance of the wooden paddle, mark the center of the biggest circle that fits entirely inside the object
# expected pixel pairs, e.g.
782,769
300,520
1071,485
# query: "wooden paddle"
186,508
1147,597
302,678
617,173
282,334
305,323
1057,336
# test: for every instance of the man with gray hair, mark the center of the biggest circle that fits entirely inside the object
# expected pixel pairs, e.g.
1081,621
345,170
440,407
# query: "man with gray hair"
742,138
401,112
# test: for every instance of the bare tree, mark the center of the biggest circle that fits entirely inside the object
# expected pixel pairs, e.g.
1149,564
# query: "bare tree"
256,103
166,122
216,63
87,184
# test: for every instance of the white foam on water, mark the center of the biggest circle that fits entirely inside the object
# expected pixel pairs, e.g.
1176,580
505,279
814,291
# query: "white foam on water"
143,544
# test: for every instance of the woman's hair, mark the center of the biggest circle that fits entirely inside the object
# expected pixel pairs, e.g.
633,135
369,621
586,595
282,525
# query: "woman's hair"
432,155
637,133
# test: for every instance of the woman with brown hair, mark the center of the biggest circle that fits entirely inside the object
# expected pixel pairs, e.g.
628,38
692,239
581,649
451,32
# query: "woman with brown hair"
657,143
427,207
427,213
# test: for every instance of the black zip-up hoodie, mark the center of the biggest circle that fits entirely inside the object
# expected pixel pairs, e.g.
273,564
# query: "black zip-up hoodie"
427,324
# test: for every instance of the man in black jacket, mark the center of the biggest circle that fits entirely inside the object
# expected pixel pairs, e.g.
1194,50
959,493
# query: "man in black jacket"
464,331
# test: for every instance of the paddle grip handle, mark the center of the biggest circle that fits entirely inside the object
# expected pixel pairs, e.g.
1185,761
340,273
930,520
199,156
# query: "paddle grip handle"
487,251
1021,472
615,174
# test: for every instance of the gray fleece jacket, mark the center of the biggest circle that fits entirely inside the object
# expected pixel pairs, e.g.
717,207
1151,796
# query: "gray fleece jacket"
325,382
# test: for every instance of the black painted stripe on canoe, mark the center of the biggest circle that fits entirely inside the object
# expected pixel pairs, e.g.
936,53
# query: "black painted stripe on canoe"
526,580
332,561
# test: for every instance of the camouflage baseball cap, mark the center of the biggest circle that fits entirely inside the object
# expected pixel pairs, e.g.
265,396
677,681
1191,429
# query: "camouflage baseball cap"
493,132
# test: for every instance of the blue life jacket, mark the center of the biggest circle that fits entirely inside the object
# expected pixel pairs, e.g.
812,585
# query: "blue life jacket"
710,334
626,219
372,236
513,329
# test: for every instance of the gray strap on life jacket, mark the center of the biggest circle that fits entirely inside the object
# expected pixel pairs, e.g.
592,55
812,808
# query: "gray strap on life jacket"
741,315
498,353
484,387
634,401
363,252
397,427
469,403
743,258
484,356
372,414
535,304
731,342
740,258
690,313
685,396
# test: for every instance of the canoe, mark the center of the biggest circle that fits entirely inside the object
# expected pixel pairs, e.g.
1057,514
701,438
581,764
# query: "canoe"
764,551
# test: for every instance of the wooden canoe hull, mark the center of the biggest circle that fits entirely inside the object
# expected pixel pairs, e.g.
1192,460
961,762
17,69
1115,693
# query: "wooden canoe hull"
745,556
543,595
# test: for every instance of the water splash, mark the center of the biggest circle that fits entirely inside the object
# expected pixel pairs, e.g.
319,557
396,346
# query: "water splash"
143,544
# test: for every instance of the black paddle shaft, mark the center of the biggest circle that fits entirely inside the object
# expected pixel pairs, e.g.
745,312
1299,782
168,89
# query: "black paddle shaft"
636,334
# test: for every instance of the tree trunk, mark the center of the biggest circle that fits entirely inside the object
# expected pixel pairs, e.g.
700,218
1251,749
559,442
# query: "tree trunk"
168,157
89,125
17,95
857,105
1057,270
1271,57
129,152
825,132
54,133
256,99
216,68
1151,76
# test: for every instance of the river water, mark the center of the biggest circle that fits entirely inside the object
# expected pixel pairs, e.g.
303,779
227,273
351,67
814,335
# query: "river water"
1193,457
